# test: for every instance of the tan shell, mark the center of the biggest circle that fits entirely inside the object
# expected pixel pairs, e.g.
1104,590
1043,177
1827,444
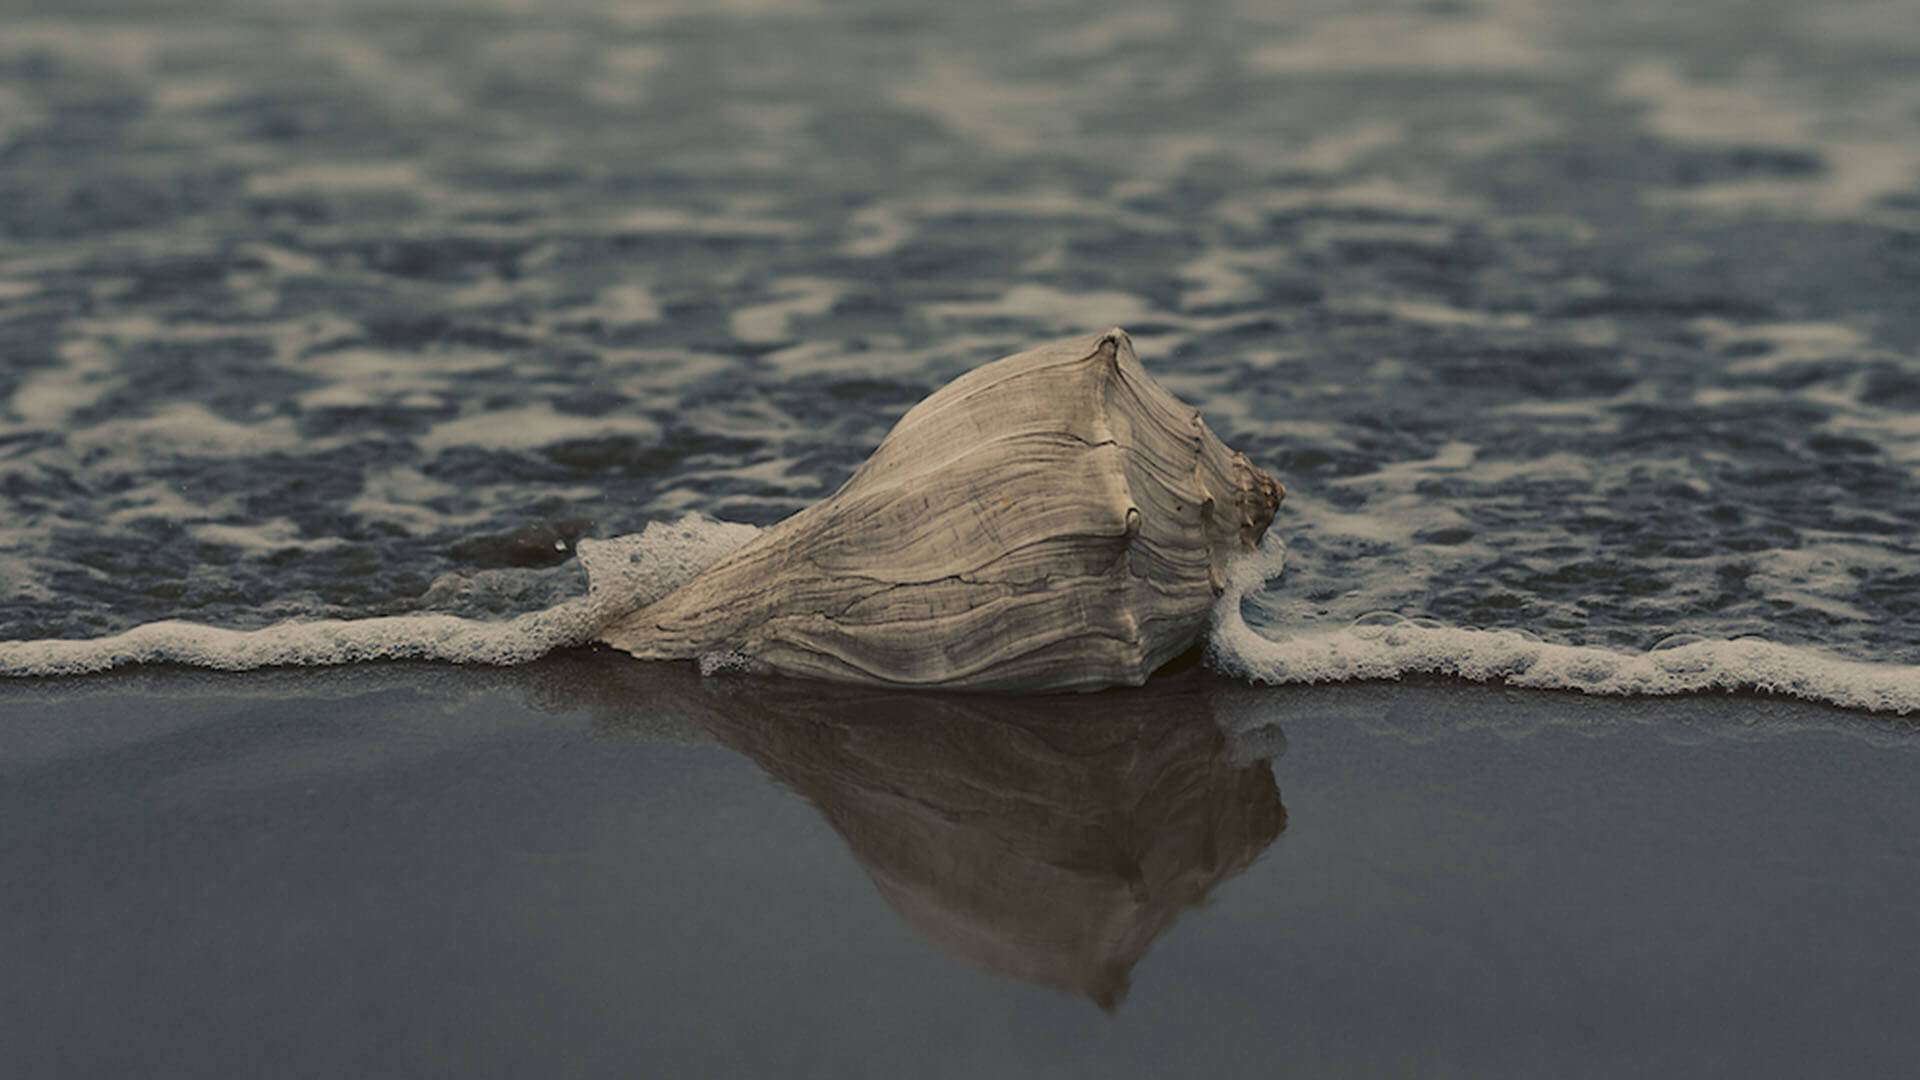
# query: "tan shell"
1055,520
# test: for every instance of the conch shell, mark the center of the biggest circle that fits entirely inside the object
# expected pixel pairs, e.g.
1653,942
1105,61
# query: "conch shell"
1055,520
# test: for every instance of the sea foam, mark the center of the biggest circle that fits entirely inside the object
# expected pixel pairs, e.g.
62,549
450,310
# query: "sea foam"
623,573
1388,645
630,571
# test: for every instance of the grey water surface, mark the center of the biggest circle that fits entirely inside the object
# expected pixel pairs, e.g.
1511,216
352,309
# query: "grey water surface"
1597,322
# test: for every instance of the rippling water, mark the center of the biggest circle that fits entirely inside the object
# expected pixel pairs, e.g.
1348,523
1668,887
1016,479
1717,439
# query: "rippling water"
1596,326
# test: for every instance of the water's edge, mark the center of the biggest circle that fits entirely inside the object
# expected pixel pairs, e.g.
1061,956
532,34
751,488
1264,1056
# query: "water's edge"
630,571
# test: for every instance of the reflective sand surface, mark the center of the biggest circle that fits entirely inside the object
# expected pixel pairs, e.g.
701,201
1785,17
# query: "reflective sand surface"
563,870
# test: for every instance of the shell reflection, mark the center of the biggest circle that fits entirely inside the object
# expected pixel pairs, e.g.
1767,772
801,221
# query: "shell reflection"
1052,841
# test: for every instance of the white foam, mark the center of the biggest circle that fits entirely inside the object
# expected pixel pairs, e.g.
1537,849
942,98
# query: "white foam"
878,230
630,571
980,105
1104,33
772,322
1393,43
1251,209
1222,279
622,305
1342,149
45,399
405,496
276,534
1045,303
669,222
1386,645
531,428
1863,141
623,574
336,177
188,429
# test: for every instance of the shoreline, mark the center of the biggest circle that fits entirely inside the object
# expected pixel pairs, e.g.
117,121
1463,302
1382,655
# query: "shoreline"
600,680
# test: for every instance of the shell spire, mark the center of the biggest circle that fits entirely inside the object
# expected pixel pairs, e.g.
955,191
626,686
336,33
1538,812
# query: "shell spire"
1054,520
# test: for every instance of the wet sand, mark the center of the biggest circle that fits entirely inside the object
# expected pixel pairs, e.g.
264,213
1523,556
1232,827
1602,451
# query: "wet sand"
591,867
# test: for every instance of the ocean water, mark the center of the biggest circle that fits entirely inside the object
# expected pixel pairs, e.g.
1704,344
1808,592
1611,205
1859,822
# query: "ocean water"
1586,340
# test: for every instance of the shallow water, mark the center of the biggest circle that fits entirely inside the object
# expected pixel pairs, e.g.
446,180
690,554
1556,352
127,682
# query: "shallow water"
1592,324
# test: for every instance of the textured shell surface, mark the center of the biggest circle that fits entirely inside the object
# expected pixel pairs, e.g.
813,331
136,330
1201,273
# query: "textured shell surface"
1054,520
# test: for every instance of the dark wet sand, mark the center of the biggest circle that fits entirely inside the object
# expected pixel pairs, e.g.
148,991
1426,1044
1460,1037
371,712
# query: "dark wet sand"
589,867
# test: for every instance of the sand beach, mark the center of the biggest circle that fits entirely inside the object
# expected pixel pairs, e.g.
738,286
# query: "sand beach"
593,867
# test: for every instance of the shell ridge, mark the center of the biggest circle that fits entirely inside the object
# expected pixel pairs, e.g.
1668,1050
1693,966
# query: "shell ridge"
1003,556
1115,349
920,467
973,383
820,649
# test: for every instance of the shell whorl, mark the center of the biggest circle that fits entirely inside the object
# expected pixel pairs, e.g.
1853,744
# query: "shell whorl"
1055,520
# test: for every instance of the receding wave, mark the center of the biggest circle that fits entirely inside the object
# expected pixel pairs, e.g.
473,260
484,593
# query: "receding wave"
630,571
1388,645
623,573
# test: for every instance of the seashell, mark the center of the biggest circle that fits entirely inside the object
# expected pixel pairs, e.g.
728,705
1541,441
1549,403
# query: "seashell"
1055,520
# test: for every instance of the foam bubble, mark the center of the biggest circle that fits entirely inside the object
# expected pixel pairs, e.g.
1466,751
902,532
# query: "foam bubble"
1386,645
622,574
631,571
